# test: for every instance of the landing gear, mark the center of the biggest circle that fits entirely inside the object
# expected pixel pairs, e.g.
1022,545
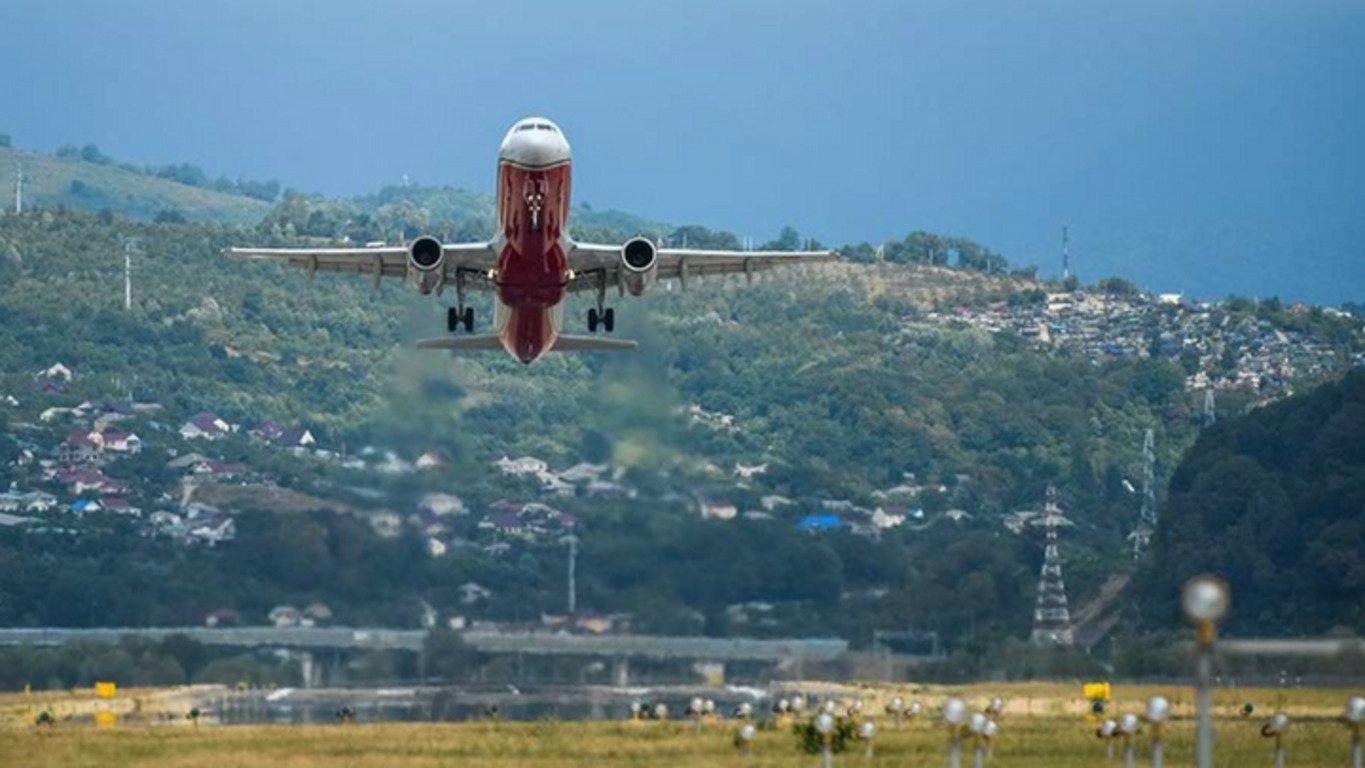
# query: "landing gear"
455,318
604,318
601,315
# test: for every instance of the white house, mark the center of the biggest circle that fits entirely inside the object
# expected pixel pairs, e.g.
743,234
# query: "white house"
205,426
526,465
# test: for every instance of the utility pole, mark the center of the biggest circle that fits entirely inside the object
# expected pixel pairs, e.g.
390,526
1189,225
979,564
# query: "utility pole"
129,248
1066,252
18,187
572,541
1210,408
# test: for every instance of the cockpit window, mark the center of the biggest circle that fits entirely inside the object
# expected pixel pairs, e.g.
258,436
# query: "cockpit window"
526,127
545,126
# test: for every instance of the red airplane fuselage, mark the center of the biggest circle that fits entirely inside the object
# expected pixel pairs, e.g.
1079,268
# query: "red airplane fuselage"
533,216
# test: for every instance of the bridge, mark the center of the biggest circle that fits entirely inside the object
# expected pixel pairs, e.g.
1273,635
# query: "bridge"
341,639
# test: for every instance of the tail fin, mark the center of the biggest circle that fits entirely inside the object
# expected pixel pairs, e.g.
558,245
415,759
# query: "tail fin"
591,344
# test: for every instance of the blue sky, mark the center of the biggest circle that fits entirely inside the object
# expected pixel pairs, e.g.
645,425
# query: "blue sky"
1209,146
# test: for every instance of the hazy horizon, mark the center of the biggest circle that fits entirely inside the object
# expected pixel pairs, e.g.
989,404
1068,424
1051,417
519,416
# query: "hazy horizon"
1211,147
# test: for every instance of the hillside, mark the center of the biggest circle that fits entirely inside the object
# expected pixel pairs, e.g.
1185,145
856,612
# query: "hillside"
51,182
1273,501
696,472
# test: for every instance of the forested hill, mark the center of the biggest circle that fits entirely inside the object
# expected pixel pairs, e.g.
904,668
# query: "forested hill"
1273,501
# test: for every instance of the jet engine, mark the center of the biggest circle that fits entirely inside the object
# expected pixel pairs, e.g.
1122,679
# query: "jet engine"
639,265
425,259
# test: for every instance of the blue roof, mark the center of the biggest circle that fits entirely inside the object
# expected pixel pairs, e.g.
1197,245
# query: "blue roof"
819,522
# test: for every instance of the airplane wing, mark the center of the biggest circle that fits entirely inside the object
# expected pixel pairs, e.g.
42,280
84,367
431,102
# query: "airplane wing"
374,262
590,260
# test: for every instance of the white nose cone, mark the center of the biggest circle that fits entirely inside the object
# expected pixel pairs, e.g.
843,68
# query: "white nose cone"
535,142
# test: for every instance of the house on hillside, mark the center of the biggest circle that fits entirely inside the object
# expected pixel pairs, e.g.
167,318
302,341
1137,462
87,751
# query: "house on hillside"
80,447
223,617
773,502
284,616
526,465
750,471
57,372
718,510
84,507
815,523
119,506
205,426
118,442
442,504
472,592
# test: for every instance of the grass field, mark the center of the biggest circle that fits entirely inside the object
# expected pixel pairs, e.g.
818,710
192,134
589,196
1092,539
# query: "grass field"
1032,737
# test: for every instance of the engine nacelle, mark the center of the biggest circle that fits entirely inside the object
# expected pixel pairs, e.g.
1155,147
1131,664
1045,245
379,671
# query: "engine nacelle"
426,256
639,265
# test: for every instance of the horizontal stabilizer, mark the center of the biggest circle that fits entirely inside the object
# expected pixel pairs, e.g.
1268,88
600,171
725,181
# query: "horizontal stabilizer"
462,343
562,344
591,344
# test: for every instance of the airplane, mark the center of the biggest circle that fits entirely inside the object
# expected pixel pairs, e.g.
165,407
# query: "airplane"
532,264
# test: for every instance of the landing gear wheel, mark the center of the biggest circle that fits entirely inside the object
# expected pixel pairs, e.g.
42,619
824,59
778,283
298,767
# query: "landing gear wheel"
592,321
452,320
468,319
609,320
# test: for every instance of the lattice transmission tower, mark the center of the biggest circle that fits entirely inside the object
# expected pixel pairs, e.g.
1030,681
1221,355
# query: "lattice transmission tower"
1051,615
1146,525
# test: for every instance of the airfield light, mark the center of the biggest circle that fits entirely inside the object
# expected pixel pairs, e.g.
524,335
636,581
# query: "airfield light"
896,709
694,706
798,704
1129,725
1275,728
1107,732
828,707
977,725
1205,601
955,717
661,711
954,713
867,732
824,726
996,707
915,709
746,711
988,736
1158,710
857,706
783,706
709,707
1354,714
745,738
635,709
1354,718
